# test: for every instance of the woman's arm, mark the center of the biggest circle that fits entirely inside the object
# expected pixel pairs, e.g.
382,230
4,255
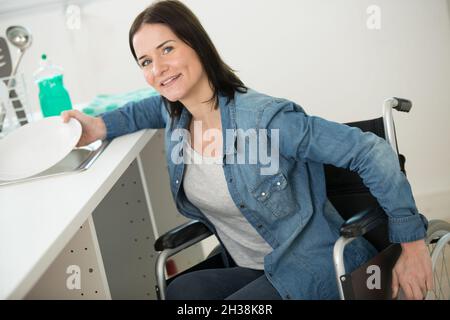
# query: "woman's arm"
148,113
308,138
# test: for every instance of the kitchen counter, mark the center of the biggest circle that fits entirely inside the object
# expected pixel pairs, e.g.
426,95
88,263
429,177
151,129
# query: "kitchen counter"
38,218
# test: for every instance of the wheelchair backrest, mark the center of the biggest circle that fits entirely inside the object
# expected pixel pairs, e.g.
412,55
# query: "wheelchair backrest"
349,195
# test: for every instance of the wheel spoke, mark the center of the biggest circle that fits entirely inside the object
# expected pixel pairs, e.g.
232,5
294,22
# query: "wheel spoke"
441,278
442,285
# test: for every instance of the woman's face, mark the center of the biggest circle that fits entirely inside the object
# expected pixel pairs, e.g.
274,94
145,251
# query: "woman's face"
170,65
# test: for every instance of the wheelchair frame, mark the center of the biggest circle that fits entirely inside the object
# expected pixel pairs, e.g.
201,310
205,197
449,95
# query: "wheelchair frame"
168,252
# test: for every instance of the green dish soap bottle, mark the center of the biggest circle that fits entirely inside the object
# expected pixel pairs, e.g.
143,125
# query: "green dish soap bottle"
53,96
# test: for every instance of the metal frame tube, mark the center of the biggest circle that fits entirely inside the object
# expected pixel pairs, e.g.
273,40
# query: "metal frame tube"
388,121
162,259
338,259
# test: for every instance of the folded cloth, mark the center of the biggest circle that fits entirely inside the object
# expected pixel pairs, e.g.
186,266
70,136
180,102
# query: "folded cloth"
107,102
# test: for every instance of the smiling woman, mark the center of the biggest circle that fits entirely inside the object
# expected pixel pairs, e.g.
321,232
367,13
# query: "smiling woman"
175,40
278,228
169,66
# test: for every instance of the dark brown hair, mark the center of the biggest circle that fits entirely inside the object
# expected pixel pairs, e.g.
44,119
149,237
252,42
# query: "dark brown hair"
188,28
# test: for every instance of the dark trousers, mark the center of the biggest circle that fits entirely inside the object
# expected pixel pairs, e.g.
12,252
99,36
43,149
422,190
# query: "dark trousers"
222,284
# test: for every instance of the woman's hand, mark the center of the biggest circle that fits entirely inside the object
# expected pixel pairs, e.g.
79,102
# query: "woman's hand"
413,271
93,128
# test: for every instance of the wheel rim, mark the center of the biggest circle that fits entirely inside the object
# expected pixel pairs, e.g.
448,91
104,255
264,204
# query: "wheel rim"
440,255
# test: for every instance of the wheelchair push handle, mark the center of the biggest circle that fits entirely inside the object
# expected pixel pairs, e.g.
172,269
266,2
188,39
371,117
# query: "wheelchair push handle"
402,105
398,104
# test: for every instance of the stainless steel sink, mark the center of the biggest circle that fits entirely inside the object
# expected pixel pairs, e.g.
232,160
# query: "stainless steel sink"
79,159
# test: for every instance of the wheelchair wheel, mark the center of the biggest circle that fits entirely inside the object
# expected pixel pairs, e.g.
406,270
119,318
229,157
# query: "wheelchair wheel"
438,242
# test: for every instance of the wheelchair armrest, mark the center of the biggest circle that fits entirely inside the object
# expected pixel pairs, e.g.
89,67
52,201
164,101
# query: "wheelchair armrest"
180,235
363,222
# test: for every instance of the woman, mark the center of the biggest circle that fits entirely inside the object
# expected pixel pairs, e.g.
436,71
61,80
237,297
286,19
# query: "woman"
278,227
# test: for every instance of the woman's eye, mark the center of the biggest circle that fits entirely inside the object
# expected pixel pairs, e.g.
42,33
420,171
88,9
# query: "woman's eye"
146,62
167,49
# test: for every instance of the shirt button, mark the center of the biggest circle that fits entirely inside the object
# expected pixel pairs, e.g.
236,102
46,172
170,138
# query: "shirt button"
231,180
177,182
278,183
263,194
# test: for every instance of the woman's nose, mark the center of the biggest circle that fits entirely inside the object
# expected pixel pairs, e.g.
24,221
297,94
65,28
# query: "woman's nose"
158,68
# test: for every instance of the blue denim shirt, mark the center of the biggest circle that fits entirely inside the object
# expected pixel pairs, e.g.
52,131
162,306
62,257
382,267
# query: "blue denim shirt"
289,208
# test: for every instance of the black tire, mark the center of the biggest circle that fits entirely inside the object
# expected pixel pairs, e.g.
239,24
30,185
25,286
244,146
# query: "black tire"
436,228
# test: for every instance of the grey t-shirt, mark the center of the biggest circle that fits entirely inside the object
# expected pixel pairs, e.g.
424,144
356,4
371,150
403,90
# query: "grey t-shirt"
205,186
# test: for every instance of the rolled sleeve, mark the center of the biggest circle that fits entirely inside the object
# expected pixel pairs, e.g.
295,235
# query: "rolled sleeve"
407,229
114,125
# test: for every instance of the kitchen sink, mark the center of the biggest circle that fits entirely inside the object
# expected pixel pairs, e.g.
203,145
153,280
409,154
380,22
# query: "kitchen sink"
79,159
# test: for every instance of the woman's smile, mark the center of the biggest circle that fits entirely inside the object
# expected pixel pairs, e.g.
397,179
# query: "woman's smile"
170,81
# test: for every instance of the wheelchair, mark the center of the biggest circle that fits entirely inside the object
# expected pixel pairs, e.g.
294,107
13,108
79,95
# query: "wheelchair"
363,217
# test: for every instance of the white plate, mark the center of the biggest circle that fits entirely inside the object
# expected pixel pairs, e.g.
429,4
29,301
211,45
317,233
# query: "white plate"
37,146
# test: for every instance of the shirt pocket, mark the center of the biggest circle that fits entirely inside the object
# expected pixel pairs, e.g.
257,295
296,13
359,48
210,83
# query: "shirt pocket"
275,194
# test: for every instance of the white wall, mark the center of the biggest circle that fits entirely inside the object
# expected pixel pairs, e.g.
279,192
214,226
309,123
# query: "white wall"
318,53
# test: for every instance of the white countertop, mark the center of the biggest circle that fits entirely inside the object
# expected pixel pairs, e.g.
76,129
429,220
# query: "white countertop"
38,218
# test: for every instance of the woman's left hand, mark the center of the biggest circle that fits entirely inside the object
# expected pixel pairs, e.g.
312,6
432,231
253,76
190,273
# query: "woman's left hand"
413,271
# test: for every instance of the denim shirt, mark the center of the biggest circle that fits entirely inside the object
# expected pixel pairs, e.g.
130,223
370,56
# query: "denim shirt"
289,207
